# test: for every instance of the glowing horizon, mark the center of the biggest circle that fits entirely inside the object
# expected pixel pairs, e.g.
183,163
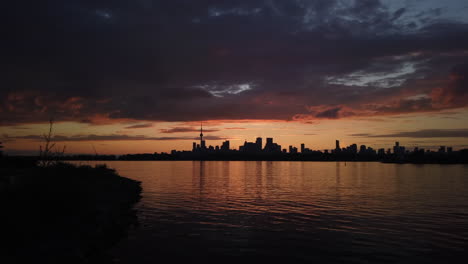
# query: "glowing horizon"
149,137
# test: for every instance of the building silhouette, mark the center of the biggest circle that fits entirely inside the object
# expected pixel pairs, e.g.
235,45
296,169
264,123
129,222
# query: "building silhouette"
258,141
292,150
225,146
273,151
271,147
337,146
202,145
251,147
202,142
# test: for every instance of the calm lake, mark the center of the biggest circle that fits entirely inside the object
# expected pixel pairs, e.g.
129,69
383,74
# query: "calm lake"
297,211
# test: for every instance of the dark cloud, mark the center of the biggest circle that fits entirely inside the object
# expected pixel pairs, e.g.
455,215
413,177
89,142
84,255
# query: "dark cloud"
216,59
398,13
113,137
424,133
139,126
330,113
455,93
186,129
360,135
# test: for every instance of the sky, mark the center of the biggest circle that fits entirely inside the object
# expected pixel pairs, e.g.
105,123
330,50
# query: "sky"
140,76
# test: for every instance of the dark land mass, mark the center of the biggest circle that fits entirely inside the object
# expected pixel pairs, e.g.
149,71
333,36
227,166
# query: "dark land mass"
62,213
417,157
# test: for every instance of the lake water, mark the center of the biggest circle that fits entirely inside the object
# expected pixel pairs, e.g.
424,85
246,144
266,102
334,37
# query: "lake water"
297,211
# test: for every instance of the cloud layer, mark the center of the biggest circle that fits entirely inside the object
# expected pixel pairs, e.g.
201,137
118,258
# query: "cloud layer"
112,137
424,133
106,61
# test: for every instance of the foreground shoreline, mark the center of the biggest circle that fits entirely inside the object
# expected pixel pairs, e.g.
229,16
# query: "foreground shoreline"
63,213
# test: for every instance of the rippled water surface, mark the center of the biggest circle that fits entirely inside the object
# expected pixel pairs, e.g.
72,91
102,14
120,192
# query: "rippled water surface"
324,211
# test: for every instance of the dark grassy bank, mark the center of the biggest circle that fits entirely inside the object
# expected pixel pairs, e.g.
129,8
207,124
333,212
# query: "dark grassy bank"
63,213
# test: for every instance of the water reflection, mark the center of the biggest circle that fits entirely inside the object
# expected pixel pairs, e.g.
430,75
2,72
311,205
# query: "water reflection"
198,176
314,211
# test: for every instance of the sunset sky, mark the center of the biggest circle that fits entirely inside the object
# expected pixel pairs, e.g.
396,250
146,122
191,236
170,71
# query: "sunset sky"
139,76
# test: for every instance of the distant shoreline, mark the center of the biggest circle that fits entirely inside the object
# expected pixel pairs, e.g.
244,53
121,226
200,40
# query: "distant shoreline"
455,158
352,161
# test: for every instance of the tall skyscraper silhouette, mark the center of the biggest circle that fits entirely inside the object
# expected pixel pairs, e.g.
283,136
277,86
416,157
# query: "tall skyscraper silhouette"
202,142
259,143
